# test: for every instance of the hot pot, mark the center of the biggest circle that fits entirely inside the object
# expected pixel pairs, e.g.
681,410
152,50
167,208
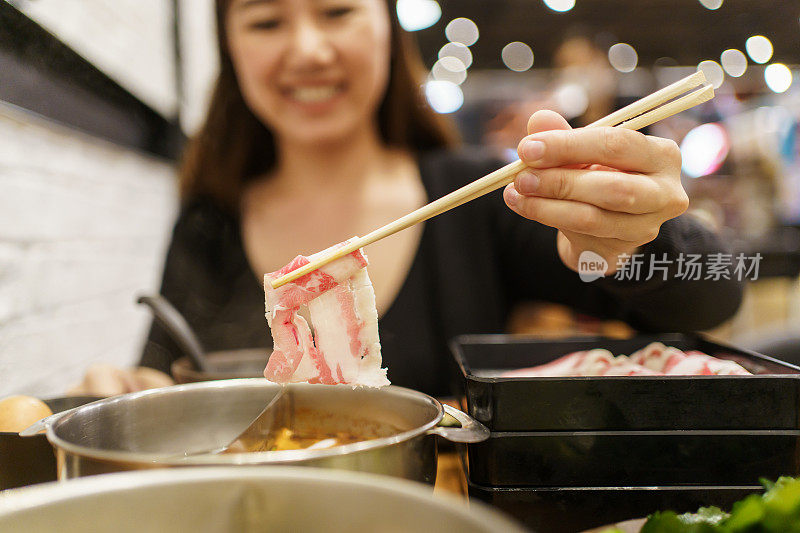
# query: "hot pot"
230,499
172,426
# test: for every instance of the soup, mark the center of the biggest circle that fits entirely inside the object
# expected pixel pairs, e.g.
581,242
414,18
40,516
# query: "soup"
312,429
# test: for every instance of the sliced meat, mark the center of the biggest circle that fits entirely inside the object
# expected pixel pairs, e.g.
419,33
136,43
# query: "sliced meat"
344,348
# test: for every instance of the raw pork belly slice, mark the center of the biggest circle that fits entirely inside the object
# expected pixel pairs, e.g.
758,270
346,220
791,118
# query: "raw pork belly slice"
671,361
344,347
597,362
654,359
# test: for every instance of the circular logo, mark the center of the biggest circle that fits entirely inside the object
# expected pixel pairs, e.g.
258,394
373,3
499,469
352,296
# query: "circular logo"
591,266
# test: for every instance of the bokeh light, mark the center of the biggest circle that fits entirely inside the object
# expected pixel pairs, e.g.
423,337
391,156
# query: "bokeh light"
572,99
623,57
711,4
517,56
457,50
450,69
778,77
713,72
759,48
444,96
560,5
462,30
704,149
415,15
734,62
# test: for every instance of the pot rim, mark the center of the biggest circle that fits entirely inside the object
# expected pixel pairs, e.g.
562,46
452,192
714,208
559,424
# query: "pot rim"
84,399
246,458
48,495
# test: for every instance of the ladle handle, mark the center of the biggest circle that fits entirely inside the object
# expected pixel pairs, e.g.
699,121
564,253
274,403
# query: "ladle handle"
177,328
41,425
470,431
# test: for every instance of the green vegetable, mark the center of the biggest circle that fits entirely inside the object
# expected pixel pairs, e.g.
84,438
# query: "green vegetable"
776,511
701,522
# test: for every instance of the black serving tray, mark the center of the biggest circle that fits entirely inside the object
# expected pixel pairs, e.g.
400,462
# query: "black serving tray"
569,510
768,400
633,458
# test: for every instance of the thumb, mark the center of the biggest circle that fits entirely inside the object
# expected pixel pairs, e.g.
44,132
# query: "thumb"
545,120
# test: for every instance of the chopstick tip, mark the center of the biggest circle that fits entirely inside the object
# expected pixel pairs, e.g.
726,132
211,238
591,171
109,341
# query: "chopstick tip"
708,93
701,77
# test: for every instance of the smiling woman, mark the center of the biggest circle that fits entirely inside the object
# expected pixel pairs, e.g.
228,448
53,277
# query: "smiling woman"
318,130
253,103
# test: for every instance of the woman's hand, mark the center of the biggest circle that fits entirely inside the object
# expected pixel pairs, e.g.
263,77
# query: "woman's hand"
108,380
607,190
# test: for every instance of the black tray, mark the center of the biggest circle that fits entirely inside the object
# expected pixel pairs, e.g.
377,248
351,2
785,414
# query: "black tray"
643,458
770,400
29,460
577,509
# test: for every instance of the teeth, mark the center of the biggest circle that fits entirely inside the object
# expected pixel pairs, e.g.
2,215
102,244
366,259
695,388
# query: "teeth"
315,94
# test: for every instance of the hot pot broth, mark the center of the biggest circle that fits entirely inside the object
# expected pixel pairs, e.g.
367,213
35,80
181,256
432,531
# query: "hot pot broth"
312,428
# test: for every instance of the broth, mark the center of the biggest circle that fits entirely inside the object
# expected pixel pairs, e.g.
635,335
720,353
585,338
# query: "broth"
313,429
286,439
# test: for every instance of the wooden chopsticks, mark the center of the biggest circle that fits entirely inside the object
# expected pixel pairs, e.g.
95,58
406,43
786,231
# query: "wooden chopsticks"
664,103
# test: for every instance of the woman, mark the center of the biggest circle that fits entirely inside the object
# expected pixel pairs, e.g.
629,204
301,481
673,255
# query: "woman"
317,132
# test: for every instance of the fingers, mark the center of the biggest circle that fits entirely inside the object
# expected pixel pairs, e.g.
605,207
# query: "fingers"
571,247
108,380
545,120
150,378
607,248
104,380
609,190
584,218
613,147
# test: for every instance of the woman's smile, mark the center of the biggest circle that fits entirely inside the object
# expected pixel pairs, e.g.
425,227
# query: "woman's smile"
318,71
315,97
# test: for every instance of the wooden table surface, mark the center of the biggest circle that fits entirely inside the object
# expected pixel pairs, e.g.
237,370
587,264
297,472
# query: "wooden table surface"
450,476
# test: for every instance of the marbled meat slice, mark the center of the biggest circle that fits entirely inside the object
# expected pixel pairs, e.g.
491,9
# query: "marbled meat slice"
672,361
653,359
344,347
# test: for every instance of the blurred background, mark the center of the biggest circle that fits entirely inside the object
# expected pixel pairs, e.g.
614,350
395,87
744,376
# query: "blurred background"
97,97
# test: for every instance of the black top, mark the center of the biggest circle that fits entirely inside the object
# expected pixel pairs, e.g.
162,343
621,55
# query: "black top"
473,264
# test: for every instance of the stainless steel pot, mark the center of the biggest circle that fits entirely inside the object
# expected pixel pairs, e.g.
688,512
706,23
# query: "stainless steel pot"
164,427
242,500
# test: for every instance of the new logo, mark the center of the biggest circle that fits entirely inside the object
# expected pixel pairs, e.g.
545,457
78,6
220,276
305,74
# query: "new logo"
591,266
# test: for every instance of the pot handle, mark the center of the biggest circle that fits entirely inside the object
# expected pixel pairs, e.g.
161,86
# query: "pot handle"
470,431
41,425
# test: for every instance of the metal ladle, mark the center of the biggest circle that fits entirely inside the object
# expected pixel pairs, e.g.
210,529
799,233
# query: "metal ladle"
278,413
178,329
262,432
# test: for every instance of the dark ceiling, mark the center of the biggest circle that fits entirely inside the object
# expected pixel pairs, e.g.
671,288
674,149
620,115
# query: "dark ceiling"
680,29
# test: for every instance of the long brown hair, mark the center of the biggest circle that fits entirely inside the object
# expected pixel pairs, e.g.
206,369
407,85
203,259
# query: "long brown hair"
233,146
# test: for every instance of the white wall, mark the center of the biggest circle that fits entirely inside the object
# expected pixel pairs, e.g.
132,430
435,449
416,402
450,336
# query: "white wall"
129,40
83,228
84,223
200,60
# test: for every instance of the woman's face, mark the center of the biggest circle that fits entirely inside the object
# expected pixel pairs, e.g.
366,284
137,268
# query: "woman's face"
311,70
